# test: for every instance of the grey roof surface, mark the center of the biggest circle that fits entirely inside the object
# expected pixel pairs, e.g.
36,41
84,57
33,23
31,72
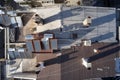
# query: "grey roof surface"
103,27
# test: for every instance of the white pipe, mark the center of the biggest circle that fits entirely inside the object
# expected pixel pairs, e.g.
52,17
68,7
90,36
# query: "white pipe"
5,42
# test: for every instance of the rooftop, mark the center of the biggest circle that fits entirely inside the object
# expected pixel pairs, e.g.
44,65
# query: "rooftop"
102,29
68,65
66,24
66,21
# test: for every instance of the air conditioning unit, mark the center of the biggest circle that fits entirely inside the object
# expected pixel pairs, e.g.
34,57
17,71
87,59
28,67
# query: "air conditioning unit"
86,63
87,42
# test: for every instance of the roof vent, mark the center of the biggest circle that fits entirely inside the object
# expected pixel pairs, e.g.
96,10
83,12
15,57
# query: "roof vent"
87,42
86,63
87,22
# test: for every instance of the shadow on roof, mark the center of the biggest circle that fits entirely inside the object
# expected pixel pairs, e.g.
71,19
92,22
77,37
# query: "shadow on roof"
104,54
60,59
103,37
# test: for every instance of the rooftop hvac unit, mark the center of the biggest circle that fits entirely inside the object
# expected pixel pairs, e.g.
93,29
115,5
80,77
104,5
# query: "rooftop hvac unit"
87,42
87,22
29,46
37,45
86,63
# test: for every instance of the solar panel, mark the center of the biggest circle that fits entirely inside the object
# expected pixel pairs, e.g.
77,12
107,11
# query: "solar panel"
29,46
37,45
53,43
45,42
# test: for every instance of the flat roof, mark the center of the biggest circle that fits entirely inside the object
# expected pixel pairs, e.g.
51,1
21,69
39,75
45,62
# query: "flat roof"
102,28
69,20
69,64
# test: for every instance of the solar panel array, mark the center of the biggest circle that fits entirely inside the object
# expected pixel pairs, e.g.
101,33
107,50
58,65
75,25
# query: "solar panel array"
46,44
